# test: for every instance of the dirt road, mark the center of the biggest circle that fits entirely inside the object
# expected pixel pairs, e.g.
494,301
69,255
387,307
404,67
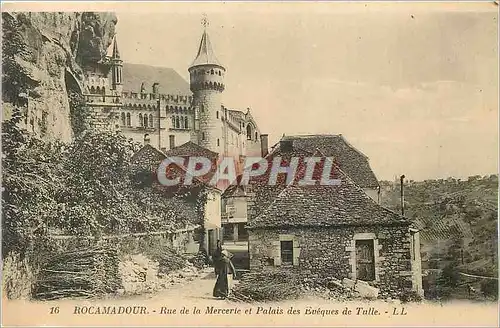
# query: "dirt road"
177,306
195,291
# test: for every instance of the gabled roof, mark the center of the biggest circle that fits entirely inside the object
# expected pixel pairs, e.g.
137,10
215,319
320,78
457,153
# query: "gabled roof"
149,158
192,149
264,192
206,55
325,206
354,163
170,82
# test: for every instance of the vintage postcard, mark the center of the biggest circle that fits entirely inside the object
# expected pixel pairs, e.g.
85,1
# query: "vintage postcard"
250,164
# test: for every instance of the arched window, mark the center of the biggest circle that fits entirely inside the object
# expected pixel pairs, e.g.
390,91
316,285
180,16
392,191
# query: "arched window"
92,90
186,120
256,136
249,132
146,121
123,119
217,114
129,122
212,72
202,107
151,120
140,120
173,121
182,122
203,136
218,142
177,125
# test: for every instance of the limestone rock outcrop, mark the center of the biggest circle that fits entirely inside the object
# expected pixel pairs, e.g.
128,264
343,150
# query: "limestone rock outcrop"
44,54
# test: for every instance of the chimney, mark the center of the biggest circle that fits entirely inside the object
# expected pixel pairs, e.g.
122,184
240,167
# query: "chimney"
286,145
402,195
147,140
155,88
264,145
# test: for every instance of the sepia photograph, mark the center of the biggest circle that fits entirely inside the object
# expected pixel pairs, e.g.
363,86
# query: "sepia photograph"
250,164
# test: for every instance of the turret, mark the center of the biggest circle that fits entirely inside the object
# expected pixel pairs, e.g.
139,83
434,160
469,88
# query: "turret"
116,68
206,76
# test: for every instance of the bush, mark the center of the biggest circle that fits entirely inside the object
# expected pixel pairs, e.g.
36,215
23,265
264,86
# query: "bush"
411,296
168,259
489,288
449,276
268,286
201,259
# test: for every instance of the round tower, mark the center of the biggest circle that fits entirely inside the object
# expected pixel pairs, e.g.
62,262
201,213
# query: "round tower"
206,76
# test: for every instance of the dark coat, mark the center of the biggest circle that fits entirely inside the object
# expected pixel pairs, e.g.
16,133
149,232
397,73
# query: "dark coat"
226,267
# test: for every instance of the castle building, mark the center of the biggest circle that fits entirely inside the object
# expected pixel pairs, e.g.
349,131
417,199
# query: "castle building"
156,106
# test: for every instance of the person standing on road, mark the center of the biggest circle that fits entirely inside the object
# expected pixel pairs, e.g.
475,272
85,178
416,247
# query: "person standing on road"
217,257
226,274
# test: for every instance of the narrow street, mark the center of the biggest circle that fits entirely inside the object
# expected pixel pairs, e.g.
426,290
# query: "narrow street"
195,291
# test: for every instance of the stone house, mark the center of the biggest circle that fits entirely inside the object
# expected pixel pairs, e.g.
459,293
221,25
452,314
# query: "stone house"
338,231
243,203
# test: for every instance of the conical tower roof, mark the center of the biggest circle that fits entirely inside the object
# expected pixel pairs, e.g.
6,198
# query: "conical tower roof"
206,55
115,54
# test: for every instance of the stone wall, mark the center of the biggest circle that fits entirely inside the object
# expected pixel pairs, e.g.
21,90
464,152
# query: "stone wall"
321,253
209,106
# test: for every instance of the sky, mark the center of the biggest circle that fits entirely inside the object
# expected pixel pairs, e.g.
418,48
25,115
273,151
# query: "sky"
412,86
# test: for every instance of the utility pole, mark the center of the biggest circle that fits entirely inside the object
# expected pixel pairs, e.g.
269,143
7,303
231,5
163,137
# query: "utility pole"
402,195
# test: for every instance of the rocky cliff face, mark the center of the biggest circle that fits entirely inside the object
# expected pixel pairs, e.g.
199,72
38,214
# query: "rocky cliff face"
42,61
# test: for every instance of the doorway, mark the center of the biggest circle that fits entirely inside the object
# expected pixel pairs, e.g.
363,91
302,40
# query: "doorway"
365,260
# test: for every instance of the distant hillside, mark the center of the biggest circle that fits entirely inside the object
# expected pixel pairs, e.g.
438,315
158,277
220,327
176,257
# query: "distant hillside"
457,219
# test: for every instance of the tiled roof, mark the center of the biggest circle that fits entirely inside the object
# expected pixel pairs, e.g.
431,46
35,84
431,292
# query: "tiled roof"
148,158
191,149
264,193
350,160
319,205
170,82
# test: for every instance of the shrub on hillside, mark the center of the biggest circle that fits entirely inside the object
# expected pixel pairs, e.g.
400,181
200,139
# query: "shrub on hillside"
489,288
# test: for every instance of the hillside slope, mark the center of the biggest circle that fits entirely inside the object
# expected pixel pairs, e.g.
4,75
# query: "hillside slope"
457,219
